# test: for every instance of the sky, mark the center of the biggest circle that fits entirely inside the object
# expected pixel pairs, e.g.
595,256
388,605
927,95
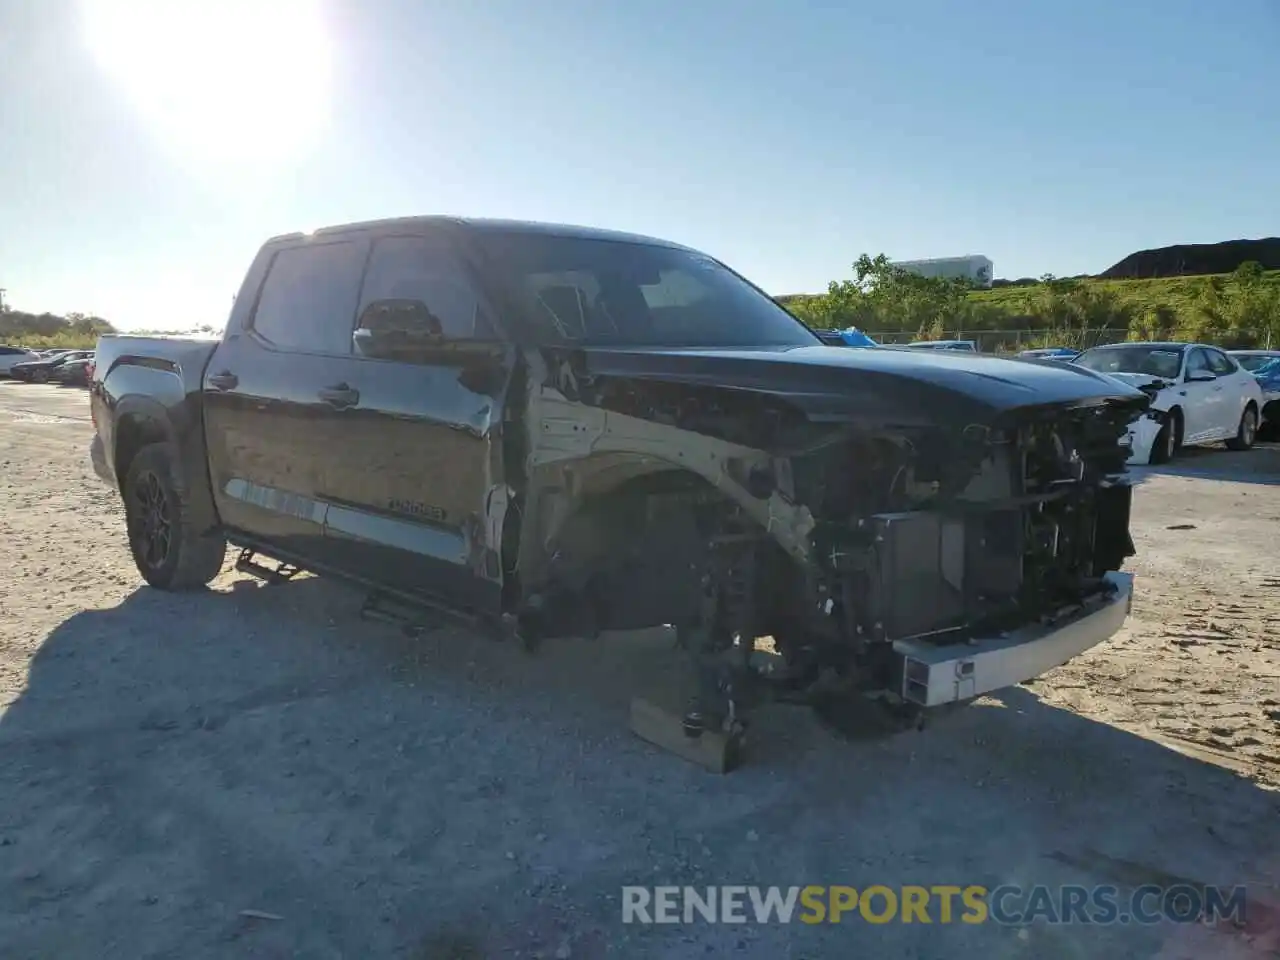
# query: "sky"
148,147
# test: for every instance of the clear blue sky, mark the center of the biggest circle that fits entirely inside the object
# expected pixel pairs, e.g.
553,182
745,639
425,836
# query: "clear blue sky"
140,169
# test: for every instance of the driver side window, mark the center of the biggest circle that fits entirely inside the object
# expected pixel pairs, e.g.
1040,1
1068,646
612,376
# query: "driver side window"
1198,364
425,271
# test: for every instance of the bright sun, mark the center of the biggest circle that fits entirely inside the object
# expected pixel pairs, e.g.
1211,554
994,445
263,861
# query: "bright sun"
227,81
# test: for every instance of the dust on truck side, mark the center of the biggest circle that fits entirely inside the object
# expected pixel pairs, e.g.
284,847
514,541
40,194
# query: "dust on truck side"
553,430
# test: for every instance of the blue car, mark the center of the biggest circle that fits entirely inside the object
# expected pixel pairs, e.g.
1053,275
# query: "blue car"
853,337
1265,366
1269,379
848,337
1065,354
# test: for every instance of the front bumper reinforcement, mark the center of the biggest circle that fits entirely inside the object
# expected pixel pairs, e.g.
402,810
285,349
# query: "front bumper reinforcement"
933,675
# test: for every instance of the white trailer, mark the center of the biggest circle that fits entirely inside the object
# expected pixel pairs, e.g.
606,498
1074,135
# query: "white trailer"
976,268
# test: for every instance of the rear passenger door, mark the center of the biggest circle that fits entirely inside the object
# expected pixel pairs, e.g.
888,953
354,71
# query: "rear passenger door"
1234,382
277,394
418,498
1203,392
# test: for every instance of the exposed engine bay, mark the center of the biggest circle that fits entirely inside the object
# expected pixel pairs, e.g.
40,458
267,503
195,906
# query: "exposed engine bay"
734,516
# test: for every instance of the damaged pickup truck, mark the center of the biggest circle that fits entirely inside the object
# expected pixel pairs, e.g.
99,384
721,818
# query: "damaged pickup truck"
560,431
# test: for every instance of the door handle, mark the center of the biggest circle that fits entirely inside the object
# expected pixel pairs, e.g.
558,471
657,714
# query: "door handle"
340,395
226,380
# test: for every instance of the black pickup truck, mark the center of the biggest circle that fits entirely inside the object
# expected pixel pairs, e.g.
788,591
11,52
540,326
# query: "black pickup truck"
560,431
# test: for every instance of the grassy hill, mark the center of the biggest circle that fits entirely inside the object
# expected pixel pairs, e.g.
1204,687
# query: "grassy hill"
1239,309
1181,294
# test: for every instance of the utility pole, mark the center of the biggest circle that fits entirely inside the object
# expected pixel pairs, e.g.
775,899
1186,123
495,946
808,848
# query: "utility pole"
1,299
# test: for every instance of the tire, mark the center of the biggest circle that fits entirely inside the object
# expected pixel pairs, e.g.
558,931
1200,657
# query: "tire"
40,376
1247,432
1169,439
168,553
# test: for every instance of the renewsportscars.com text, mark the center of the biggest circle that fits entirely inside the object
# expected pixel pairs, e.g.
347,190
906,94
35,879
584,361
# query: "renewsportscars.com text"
939,903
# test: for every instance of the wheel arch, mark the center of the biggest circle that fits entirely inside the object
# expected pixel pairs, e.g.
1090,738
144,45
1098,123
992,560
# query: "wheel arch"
140,421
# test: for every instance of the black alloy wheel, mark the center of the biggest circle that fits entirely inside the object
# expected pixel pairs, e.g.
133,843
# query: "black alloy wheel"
153,519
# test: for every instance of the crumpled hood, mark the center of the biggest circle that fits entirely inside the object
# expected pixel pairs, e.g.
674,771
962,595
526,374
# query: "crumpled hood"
921,386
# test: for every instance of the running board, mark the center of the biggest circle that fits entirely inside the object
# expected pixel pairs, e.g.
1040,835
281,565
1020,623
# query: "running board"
282,572
411,618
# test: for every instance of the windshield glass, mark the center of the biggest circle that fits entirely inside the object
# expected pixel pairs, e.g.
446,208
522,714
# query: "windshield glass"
1270,369
1253,363
620,293
1136,358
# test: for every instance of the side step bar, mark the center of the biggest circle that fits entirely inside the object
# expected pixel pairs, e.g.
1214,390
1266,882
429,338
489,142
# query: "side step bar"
413,614
282,572
383,608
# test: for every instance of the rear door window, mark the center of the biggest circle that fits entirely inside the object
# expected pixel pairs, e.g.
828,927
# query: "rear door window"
1220,363
308,302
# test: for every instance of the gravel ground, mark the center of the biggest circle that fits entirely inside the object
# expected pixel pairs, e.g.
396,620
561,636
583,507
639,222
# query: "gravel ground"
168,762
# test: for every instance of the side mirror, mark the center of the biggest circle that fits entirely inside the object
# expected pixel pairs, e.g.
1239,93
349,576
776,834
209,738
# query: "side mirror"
1201,376
397,329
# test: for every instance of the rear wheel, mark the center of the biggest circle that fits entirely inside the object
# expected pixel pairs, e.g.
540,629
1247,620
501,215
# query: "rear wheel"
1247,432
167,551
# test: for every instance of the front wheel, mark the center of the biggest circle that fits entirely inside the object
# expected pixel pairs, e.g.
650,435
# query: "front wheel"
1166,444
167,551
1247,432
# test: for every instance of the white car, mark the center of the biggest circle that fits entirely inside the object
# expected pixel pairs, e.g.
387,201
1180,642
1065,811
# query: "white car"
1198,392
11,355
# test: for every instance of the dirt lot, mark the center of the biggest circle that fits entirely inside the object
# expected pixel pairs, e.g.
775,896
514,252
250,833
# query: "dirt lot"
167,762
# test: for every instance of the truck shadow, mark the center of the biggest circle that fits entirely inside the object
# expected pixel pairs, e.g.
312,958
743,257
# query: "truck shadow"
178,759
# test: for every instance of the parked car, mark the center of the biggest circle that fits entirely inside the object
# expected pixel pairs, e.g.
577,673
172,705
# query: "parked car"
1254,360
1049,353
1203,394
73,373
13,355
966,345
554,430
1268,377
848,337
41,371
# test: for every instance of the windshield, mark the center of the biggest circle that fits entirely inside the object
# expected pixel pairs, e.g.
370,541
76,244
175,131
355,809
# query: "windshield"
1269,370
615,293
1164,362
1253,362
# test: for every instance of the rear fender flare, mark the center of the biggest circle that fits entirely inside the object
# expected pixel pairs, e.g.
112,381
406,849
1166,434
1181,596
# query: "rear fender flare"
139,421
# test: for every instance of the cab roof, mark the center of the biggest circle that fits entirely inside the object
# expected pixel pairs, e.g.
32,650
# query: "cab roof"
482,225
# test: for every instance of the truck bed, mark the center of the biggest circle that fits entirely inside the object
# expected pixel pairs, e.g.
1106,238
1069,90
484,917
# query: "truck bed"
147,389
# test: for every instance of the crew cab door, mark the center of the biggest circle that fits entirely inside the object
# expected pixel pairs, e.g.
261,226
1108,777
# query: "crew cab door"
1203,398
418,496
274,405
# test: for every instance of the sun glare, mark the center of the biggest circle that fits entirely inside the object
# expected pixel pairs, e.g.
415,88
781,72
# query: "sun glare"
232,81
